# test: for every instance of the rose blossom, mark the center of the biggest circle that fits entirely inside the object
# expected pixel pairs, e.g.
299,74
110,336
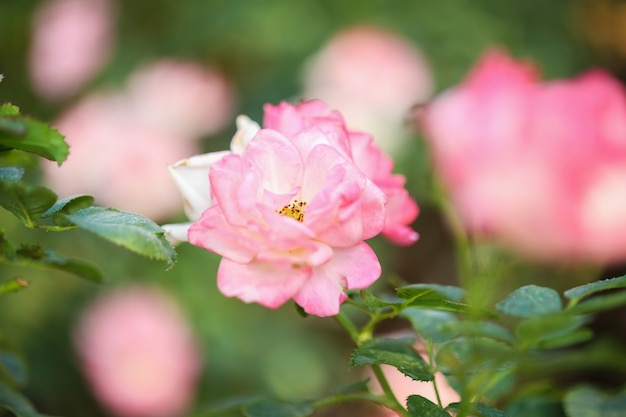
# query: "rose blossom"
373,76
288,210
72,40
138,353
401,209
539,166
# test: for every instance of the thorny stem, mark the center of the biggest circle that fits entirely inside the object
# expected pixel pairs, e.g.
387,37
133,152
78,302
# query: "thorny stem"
359,337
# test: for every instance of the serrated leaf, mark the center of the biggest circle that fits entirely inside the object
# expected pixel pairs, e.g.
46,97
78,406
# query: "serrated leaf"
38,138
372,302
37,256
427,323
269,408
27,203
11,365
600,303
398,353
530,301
419,406
479,410
131,231
11,174
17,403
70,205
587,401
577,293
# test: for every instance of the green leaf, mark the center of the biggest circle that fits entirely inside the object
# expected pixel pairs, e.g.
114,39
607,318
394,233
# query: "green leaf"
70,205
600,303
419,406
27,203
398,353
129,230
34,136
37,256
550,331
476,328
11,174
434,291
478,410
535,406
372,302
17,403
427,323
14,285
587,401
530,301
474,354
577,293
269,408
11,364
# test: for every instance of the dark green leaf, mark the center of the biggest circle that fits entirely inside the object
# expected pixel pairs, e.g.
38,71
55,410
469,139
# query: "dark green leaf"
359,386
427,323
17,403
474,354
577,293
27,203
419,406
37,256
129,230
38,137
269,408
479,410
600,303
531,301
587,401
11,174
431,291
372,302
487,329
11,364
540,406
398,353
70,205
538,331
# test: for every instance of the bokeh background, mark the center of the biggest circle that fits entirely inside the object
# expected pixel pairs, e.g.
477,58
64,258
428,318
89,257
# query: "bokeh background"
112,75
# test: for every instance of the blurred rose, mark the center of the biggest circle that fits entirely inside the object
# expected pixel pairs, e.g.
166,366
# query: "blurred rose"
182,97
539,166
373,77
118,158
72,40
403,387
138,354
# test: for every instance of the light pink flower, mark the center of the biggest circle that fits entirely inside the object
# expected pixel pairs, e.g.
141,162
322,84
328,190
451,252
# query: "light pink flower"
183,97
539,166
72,40
373,76
375,164
117,157
289,213
138,354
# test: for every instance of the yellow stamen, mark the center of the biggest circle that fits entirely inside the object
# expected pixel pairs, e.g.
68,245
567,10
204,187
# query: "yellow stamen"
294,210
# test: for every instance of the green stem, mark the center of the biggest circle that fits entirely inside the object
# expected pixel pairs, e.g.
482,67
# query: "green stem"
348,326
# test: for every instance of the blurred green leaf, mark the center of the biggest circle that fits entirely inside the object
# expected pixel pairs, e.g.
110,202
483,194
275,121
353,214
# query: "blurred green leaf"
587,401
14,285
419,406
17,403
600,303
439,297
269,408
479,410
38,137
35,255
11,174
448,292
12,365
398,353
129,230
474,354
427,323
550,331
530,301
577,293
535,406
452,329
27,203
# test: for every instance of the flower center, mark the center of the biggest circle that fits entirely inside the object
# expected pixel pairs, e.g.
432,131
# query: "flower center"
294,210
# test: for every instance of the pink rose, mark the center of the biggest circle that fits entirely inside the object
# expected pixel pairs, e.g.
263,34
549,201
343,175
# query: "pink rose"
538,166
138,354
373,76
72,40
375,164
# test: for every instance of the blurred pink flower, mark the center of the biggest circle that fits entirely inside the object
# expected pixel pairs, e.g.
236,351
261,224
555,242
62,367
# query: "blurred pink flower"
138,354
182,97
539,166
118,157
72,40
401,209
373,77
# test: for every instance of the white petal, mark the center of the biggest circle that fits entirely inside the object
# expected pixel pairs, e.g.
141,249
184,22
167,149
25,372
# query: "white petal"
176,233
191,176
246,129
